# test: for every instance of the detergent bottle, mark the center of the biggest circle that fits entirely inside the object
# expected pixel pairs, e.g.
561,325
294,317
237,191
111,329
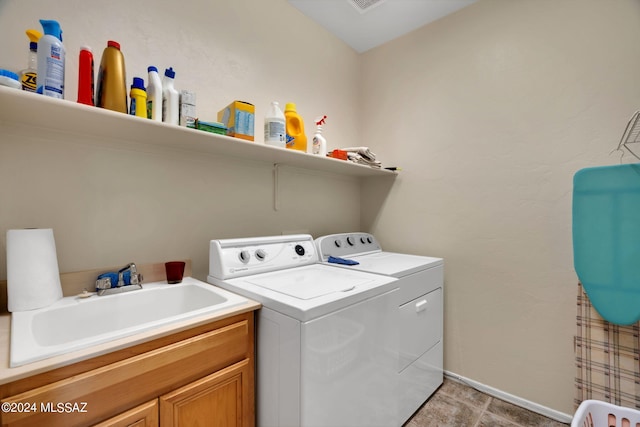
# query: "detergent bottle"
274,126
138,97
112,88
51,55
170,98
86,84
296,139
28,75
154,95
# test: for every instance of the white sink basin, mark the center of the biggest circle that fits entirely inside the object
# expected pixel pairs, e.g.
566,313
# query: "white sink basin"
74,323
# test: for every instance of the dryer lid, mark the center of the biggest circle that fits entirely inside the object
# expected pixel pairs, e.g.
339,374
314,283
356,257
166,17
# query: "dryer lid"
394,264
309,283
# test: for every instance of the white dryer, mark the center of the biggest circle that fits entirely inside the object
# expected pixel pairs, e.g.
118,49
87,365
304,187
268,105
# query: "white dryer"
326,337
420,282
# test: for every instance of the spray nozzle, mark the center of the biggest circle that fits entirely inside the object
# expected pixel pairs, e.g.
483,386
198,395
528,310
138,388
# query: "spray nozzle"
51,28
34,35
320,120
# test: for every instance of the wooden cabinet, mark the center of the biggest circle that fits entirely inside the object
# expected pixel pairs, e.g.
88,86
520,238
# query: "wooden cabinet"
204,373
145,415
221,396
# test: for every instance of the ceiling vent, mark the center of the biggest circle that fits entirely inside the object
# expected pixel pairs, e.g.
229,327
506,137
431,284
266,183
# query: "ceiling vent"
363,6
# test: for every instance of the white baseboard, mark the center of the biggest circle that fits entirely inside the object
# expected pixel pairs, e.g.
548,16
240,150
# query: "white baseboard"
527,404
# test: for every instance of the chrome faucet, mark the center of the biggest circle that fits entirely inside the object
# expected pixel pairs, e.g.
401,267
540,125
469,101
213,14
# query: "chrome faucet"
136,278
104,284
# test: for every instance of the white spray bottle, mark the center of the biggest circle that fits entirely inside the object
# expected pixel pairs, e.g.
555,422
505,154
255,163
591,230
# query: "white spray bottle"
319,143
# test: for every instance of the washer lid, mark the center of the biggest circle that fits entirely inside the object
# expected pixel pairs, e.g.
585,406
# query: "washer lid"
310,291
300,284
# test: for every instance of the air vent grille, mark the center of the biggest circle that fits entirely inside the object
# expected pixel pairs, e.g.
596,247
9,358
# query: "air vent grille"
363,6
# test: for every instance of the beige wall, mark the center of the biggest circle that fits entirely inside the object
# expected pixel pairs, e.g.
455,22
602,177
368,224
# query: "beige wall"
490,112
110,204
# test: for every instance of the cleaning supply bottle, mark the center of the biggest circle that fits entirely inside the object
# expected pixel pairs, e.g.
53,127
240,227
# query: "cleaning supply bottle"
170,98
112,89
319,143
296,139
274,126
51,55
86,84
138,96
154,95
29,74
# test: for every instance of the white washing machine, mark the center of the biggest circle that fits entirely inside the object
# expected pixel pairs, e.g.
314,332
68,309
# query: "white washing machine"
326,337
420,282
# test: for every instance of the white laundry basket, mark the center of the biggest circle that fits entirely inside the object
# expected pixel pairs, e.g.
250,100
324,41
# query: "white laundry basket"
595,413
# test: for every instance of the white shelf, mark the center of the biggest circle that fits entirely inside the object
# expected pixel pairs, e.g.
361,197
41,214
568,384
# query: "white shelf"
41,112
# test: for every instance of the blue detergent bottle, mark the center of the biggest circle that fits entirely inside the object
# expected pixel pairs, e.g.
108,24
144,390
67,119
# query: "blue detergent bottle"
51,58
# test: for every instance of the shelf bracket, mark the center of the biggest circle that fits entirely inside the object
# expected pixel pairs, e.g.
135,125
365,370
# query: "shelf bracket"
276,191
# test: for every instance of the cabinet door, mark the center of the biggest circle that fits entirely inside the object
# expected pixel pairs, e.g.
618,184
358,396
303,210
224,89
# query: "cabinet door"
224,398
145,415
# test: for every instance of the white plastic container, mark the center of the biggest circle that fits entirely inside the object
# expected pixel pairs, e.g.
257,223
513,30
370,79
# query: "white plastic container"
319,146
187,108
274,127
10,79
154,95
595,413
170,99
51,56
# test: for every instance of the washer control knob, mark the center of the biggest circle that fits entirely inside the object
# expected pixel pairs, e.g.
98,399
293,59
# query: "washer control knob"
244,256
300,250
369,239
338,243
363,240
261,254
350,241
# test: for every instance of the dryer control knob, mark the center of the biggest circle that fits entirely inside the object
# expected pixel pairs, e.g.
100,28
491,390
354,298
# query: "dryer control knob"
363,241
350,241
300,250
261,254
369,240
244,256
338,243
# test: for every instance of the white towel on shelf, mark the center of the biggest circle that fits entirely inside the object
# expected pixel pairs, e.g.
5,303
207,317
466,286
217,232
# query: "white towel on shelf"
358,158
363,156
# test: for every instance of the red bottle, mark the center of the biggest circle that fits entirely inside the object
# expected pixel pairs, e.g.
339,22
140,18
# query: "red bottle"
85,77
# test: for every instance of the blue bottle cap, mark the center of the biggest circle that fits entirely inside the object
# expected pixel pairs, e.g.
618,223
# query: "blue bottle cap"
51,28
33,46
152,68
138,83
10,74
170,73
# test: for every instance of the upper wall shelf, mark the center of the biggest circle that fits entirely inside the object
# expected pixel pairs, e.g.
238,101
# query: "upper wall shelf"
43,112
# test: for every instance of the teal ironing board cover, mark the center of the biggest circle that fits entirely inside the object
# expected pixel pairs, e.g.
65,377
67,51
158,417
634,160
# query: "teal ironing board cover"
606,239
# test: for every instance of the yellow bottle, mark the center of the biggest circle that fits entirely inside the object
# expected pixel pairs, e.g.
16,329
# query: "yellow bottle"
138,96
296,139
112,90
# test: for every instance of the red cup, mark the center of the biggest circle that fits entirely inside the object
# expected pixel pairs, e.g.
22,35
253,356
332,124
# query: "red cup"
175,271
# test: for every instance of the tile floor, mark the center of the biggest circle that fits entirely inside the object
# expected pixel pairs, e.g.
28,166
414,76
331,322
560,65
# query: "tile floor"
457,405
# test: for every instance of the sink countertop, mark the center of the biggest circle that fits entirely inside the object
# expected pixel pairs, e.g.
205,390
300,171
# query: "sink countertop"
8,374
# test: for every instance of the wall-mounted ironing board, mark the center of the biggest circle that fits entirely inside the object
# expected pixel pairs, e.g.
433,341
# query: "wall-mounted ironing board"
606,239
